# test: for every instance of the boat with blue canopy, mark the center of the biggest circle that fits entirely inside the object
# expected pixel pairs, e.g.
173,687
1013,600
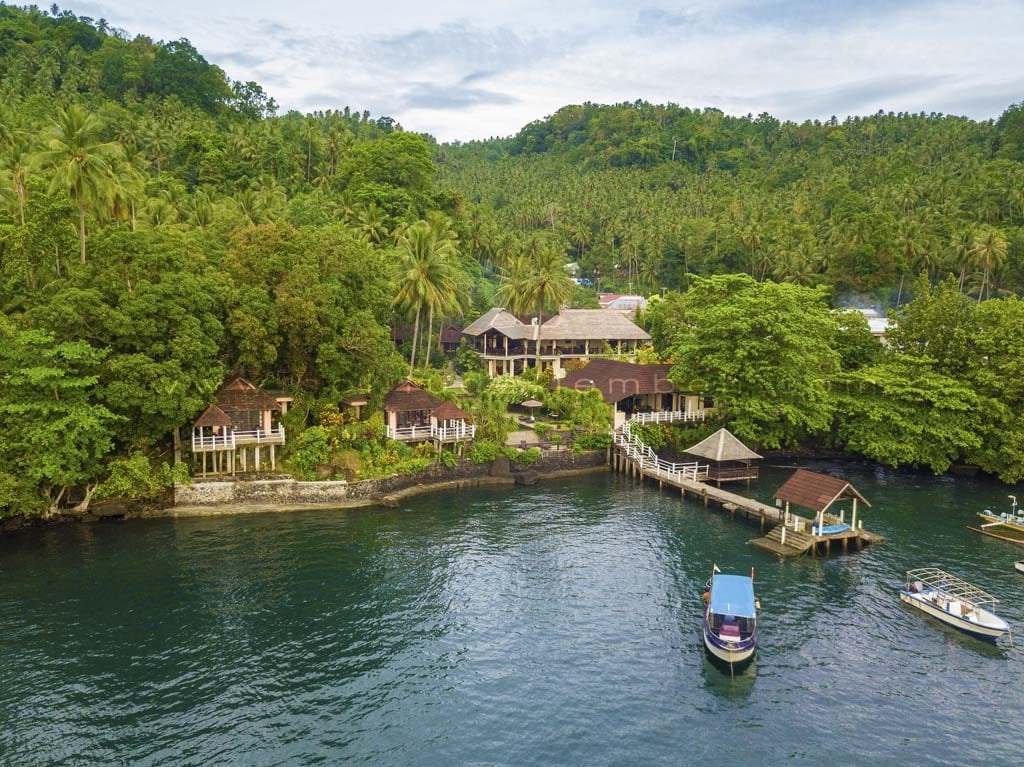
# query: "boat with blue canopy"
730,618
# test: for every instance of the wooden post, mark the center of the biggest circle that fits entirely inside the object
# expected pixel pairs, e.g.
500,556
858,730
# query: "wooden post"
257,457
853,517
273,464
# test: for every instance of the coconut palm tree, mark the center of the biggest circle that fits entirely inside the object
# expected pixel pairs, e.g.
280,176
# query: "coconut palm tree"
428,276
539,282
82,163
988,252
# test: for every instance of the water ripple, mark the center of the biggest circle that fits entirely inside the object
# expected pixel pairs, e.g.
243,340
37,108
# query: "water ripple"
550,625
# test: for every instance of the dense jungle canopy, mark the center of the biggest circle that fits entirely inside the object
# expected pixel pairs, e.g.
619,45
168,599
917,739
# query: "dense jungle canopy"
162,226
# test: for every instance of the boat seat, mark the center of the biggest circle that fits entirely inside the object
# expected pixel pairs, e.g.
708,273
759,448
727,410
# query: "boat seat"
730,631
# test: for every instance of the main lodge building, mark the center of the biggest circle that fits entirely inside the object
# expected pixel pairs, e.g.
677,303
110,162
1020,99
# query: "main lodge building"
509,345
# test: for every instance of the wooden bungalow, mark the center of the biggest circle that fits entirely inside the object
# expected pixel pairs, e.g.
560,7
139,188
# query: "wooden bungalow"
632,388
240,423
730,460
415,415
821,493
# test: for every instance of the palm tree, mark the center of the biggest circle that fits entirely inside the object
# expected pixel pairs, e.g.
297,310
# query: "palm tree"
427,276
988,252
539,281
83,164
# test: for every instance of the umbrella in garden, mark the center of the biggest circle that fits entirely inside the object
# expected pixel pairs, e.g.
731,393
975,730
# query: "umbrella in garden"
532,403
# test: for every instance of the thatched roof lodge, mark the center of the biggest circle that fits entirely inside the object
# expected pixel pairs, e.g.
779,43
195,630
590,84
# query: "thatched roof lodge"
509,344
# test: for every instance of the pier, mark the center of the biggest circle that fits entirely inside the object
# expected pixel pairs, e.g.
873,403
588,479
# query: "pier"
790,535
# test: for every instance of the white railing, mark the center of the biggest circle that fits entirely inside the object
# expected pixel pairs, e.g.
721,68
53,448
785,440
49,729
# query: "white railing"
410,433
261,436
230,439
646,459
213,442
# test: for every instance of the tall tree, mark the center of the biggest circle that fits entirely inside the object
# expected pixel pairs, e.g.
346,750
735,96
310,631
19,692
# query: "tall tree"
82,164
427,275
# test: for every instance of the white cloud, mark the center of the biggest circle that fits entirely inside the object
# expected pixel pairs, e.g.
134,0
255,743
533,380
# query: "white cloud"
461,71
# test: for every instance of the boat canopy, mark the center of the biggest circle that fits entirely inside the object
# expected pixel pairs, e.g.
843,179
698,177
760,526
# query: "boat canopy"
732,595
950,585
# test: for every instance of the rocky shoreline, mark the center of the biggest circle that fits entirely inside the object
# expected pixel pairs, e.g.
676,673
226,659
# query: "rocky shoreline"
275,495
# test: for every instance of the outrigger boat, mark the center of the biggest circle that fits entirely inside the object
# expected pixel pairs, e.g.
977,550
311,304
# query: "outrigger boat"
1007,526
730,618
1012,520
953,601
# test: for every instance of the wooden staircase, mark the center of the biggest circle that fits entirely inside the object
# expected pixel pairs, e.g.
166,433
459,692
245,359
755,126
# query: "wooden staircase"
797,543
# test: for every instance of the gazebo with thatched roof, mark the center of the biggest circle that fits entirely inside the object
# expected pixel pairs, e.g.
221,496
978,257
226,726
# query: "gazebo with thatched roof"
730,459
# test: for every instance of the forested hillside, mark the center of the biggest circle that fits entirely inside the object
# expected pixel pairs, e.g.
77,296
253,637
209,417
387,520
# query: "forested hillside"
647,194
163,227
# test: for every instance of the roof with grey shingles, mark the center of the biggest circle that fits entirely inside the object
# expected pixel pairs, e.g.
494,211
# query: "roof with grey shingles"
722,446
816,491
501,320
409,396
567,325
618,380
592,324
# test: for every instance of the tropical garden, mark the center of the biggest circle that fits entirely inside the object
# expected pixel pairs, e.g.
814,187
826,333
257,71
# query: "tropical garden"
163,227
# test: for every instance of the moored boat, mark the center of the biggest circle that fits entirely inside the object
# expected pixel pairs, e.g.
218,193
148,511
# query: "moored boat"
730,618
1019,566
1009,520
953,601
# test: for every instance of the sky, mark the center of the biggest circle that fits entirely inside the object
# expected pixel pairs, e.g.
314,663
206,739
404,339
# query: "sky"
461,71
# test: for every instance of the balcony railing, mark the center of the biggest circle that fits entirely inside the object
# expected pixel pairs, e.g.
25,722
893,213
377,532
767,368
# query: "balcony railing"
231,439
444,434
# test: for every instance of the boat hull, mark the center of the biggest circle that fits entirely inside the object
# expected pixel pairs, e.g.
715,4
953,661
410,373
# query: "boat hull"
733,652
993,626
1019,566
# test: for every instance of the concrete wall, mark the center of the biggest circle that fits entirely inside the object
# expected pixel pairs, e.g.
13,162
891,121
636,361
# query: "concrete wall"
289,492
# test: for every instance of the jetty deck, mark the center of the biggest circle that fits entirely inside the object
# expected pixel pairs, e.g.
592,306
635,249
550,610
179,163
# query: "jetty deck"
790,534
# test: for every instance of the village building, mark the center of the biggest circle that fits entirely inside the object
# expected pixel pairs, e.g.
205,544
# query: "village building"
509,345
623,303
415,415
631,389
239,431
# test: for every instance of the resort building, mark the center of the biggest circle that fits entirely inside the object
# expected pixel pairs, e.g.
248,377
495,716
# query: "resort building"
415,415
632,389
239,431
509,345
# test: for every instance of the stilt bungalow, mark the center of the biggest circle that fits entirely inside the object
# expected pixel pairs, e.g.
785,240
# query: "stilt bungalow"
729,459
238,432
415,415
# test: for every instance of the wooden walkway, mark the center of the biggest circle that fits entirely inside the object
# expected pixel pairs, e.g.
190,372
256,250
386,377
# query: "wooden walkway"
632,457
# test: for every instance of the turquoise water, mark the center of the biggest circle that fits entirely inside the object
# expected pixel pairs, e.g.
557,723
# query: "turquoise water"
551,625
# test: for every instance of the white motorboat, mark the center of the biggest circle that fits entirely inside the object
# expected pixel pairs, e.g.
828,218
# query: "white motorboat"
953,601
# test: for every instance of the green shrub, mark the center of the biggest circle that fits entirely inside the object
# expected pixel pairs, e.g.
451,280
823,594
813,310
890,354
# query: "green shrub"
541,429
312,448
484,451
448,459
528,457
592,441
138,478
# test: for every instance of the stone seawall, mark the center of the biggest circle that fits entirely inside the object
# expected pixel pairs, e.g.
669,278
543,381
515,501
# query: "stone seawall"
279,494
